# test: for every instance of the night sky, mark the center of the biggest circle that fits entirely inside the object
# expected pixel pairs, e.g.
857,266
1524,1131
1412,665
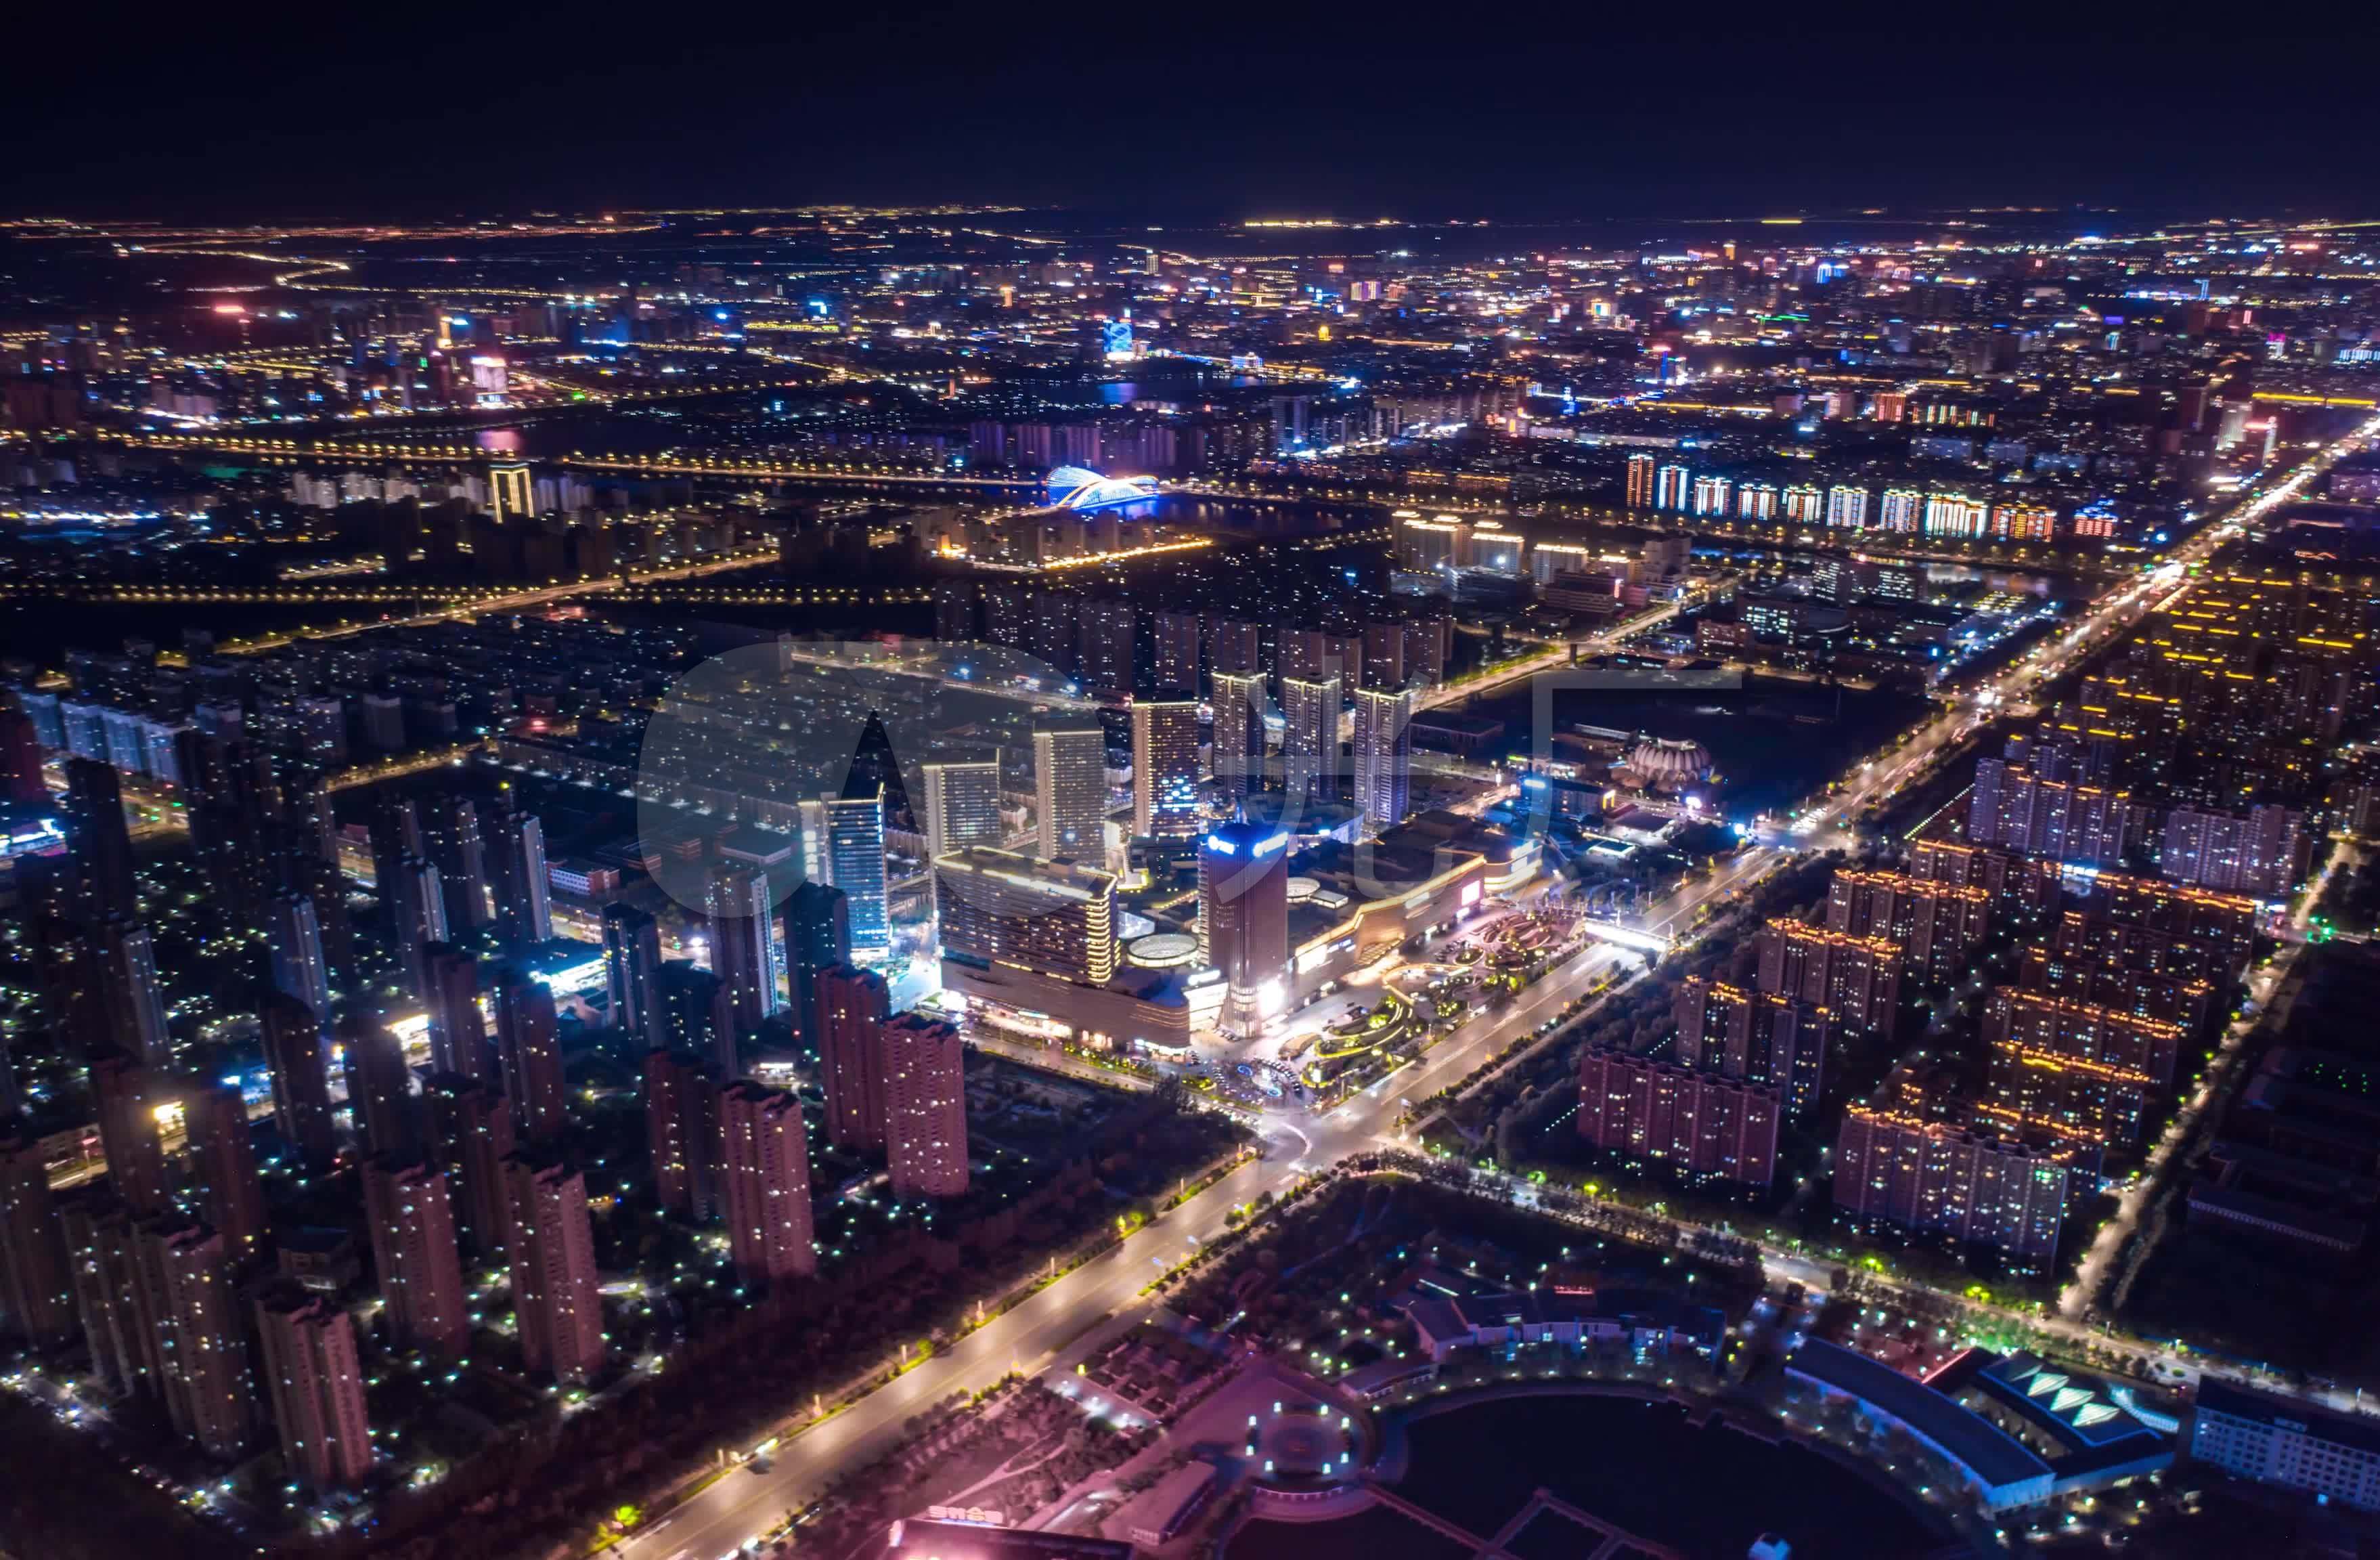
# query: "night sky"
1351,110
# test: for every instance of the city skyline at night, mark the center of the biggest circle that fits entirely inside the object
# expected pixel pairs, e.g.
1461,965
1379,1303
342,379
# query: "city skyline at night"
1097,790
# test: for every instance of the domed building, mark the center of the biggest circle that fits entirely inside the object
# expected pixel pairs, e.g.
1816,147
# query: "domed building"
1666,764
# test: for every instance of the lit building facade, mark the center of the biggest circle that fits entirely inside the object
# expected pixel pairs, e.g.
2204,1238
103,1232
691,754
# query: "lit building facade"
997,908
189,1310
961,803
1071,791
764,1176
1699,1124
852,1006
682,1133
1309,746
1164,769
1937,925
2287,1442
2018,810
529,1041
315,1387
1383,756
1238,748
2261,854
1857,979
1932,1177
924,1069
299,1062
555,1298
1244,918
411,1219
1759,1036
743,951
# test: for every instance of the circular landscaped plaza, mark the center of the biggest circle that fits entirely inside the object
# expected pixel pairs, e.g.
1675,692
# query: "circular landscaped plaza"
1561,1474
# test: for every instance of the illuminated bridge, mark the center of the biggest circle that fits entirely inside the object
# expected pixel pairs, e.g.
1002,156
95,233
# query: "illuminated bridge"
1076,487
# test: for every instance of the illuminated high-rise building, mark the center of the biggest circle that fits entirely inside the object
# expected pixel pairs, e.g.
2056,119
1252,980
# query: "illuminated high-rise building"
743,951
852,1005
925,1106
1071,788
764,1179
127,1132
1164,769
1957,516
1764,1037
1110,645
197,1346
99,838
521,880
419,916
1902,511
294,932
1673,488
529,1041
315,1388
451,837
1640,482
1383,756
130,994
1234,644
682,1133
1309,742
2262,854
1857,979
396,828
1053,634
214,1118
1244,918
411,1221
2024,522
1176,638
557,1299
855,848
818,935
459,1031
1699,1124
1894,1168
962,805
470,1134
1439,545
298,1060
103,1264
632,977
1847,508
2075,1069
1805,505
1050,916
1494,549
36,1285
2018,810
700,1017
1710,496
875,771
1937,925
380,1085
512,495
1239,742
